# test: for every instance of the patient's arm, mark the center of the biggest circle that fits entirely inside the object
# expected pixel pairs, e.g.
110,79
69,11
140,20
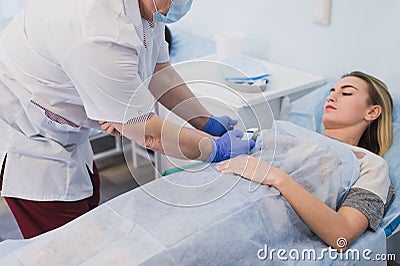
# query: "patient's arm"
328,224
165,137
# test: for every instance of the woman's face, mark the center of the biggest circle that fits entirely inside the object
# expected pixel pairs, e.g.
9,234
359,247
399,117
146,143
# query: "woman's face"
346,104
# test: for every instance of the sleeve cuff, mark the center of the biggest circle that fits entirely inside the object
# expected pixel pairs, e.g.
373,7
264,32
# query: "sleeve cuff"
370,204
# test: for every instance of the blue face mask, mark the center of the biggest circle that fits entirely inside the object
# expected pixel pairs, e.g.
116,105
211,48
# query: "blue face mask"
177,10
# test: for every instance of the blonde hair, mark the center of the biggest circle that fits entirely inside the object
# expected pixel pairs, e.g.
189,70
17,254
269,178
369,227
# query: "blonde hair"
378,136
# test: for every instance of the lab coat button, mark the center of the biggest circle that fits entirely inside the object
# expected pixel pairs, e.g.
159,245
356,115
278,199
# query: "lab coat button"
50,122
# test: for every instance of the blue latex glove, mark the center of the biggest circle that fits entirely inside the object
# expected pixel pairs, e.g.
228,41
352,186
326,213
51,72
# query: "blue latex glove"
229,146
217,126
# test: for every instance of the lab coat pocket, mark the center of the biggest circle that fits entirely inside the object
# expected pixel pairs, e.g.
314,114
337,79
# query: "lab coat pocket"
63,133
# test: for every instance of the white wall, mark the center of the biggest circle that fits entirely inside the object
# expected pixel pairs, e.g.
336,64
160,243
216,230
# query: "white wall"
363,34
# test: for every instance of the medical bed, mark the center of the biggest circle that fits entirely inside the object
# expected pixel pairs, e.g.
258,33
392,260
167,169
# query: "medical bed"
203,218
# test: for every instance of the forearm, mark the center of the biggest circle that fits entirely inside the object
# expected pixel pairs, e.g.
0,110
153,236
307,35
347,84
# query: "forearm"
185,143
328,224
172,92
168,138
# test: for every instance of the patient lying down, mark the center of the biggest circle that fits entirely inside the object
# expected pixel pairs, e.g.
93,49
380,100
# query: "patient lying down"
357,112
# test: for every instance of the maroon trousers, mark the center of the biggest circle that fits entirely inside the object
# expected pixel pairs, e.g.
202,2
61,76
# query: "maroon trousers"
37,217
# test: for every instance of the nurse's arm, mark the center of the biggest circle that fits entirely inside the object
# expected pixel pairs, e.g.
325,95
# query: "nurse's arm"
168,138
172,92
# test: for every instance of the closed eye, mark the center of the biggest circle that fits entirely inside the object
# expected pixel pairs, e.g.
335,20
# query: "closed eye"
343,93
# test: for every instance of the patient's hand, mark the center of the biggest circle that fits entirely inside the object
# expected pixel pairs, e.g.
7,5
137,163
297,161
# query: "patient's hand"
253,169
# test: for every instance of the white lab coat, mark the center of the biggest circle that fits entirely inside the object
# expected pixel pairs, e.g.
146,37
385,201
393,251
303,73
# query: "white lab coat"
84,60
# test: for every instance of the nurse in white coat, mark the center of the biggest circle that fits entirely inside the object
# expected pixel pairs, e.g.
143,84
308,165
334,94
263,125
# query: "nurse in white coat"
65,65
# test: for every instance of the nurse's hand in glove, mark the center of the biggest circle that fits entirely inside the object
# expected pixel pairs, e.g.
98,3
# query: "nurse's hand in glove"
229,146
217,126
109,128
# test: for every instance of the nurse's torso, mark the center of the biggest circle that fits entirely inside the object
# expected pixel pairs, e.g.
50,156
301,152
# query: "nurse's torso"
33,49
